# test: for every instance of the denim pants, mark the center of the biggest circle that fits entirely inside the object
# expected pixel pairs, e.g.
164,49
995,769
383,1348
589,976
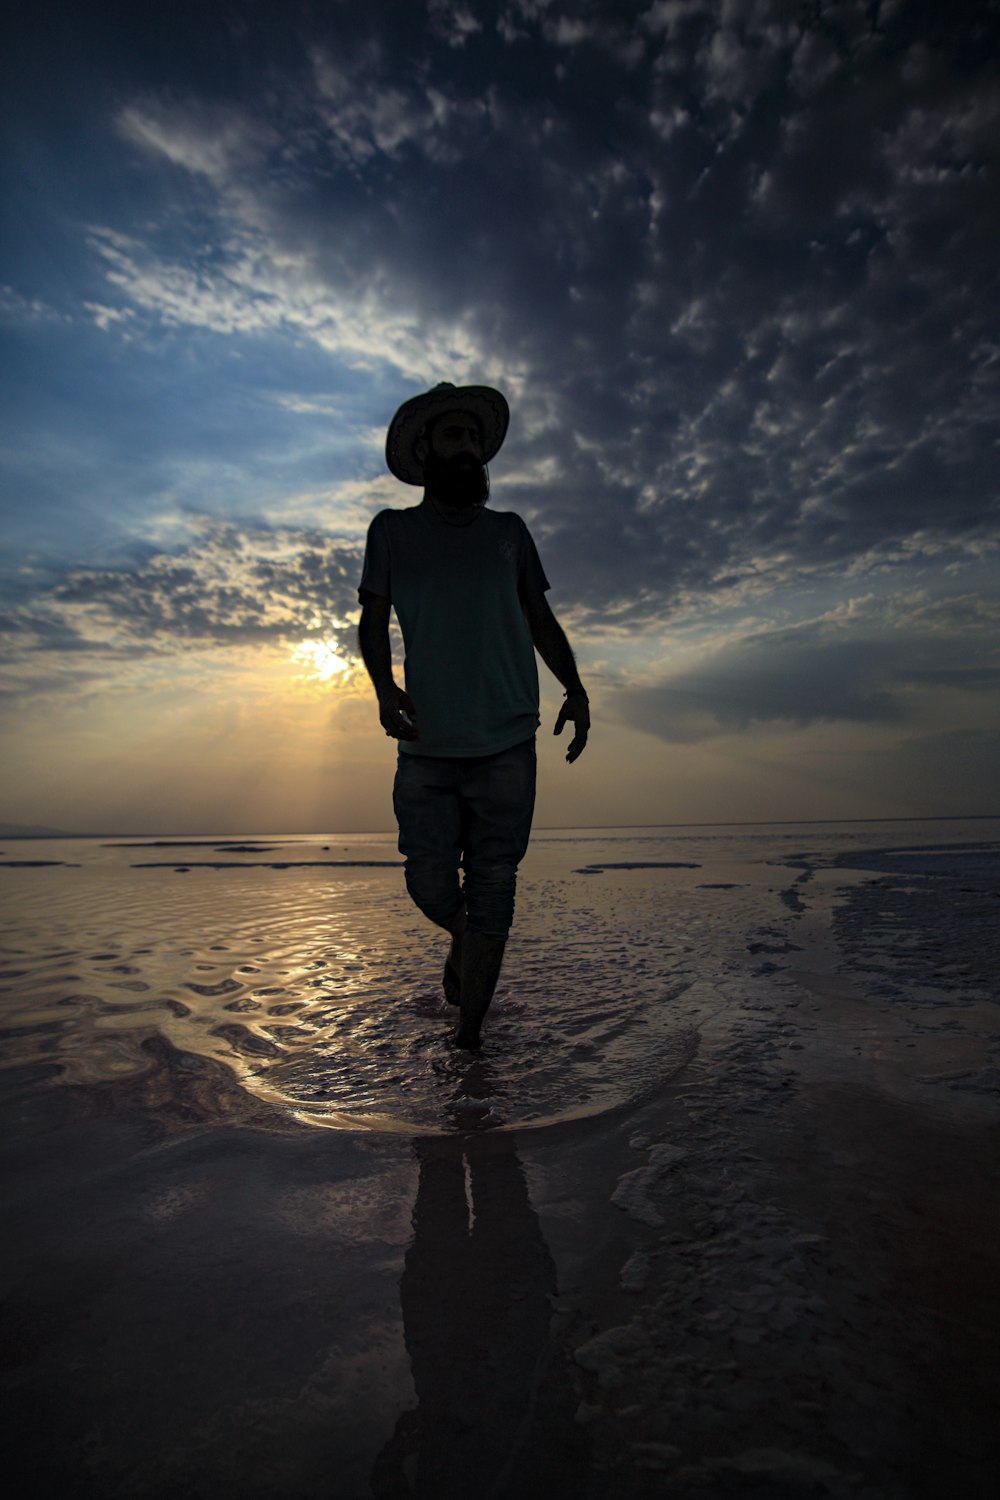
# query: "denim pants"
472,814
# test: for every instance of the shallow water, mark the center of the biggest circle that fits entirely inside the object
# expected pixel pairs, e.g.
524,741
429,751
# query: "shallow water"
302,966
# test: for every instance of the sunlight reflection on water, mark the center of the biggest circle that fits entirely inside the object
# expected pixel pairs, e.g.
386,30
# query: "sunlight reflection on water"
319,986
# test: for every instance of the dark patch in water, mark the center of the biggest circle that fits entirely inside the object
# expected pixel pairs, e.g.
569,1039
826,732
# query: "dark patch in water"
244,1040
674,864
32,864
181,844
290,864
246,848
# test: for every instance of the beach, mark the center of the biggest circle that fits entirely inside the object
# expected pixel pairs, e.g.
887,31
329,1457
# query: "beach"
714,1213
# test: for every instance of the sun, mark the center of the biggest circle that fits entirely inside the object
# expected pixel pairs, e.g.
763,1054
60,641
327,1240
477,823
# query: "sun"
320,659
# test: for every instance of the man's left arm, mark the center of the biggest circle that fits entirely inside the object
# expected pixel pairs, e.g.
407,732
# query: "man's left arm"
552,646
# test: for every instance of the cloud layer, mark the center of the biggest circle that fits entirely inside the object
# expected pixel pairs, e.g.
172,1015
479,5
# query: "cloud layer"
733,263
870,667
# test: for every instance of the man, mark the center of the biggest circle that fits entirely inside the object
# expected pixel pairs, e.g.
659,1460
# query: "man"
469,594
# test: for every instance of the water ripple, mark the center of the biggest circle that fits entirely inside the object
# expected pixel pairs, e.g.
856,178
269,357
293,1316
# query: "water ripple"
318,987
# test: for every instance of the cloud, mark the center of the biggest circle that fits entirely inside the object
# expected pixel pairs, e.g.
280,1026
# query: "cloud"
453,21
752,367
249,290
365,115
209,140
233,584
741,362
18,309
839,670
962,765
232,587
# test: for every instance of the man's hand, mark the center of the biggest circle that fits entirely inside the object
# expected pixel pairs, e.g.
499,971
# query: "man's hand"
397,714
576,708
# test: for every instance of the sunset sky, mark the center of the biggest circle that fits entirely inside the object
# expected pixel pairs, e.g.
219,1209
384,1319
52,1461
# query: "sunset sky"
735,266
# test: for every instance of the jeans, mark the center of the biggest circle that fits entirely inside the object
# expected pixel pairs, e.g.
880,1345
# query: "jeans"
471,813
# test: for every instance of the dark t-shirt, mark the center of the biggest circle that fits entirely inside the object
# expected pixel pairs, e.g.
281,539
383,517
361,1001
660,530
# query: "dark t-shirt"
457,590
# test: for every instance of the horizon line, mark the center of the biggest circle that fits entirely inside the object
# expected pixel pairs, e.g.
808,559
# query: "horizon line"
542,828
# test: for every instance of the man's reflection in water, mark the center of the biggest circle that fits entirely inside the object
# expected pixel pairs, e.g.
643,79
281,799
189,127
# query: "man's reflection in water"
495,1400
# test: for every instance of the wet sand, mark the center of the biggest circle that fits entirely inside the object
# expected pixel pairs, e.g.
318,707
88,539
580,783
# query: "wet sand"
773,1276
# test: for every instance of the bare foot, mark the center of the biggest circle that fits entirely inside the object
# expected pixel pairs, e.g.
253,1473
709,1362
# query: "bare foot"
452,977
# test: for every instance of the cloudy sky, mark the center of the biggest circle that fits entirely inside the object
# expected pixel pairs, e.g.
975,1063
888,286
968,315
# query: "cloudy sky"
734,263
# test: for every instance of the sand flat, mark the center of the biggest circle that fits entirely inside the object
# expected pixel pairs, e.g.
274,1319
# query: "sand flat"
769,1271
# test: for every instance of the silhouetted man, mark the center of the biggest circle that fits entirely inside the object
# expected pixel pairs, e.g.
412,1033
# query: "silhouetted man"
469,594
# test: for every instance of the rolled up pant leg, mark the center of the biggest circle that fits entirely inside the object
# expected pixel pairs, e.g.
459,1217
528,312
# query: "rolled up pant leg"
497,804
426,802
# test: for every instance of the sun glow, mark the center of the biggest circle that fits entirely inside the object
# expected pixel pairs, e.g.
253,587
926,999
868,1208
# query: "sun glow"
320,659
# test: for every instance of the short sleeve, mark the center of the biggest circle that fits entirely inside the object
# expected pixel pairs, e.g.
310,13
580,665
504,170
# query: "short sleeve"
531,579
375,574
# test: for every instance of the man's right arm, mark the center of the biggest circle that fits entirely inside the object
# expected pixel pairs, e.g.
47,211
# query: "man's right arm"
396,712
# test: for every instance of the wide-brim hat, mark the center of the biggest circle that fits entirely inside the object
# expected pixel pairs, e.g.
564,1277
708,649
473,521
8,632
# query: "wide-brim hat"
410,423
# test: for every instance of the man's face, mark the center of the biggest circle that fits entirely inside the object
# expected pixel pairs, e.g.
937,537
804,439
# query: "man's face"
453,466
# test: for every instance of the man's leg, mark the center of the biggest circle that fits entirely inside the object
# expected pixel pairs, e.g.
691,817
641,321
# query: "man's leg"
426,804
451,980
482,956
498,799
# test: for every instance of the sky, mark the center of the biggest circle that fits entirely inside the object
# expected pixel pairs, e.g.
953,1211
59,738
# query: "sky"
734,265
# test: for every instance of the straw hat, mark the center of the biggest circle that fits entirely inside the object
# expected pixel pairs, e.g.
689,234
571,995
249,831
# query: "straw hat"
410,423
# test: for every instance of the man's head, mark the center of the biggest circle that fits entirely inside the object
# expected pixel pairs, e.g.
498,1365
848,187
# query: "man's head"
451,451
447,432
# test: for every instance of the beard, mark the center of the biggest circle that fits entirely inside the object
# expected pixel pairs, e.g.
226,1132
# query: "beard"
456,481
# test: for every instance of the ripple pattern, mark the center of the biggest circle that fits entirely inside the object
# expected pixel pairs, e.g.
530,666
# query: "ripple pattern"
318,987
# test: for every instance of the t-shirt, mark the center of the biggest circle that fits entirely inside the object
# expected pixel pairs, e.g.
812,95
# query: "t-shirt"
456,590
